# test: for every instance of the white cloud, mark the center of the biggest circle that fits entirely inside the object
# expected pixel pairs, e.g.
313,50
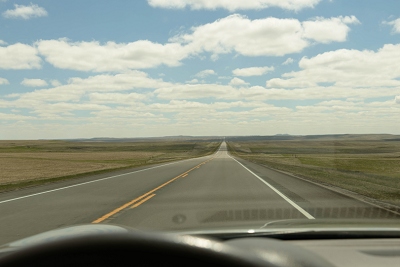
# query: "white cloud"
34,82
397,99
4,81
396,25
116,98
238,82
214,57
19,56
233,34
234,5
194,108
15,117
236,91
261,37
288,61
12,95
55,83
205,73
127,113
178,106
111,56
3,42
92,94
193,81
253,71
68,107
325,30
25,12
194,91
78,87
236,33
346,68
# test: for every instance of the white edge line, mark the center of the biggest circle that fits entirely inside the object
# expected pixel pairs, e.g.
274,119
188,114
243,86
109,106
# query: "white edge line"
94,181
335,189
305,213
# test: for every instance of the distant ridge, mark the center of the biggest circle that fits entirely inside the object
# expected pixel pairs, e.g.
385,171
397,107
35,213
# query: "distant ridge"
283,137
277,137
148,139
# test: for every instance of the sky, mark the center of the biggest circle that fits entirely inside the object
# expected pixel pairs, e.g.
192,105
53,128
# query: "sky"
98,68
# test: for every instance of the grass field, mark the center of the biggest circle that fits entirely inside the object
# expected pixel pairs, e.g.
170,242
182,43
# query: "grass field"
27,163
368,166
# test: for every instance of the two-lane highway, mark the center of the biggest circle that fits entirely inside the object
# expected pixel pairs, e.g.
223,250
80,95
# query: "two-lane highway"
211,192
35,210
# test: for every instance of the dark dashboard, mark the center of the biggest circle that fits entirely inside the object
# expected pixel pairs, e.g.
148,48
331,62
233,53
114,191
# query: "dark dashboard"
111,245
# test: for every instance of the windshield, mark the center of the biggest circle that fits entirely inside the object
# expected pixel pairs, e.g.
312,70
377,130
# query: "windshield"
195,116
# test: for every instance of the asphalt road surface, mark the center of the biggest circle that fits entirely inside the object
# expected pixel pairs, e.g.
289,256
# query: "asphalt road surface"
213,192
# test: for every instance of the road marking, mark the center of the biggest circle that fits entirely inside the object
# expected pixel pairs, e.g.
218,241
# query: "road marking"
117,210
185,175
305,213
142,201
94,181
108,215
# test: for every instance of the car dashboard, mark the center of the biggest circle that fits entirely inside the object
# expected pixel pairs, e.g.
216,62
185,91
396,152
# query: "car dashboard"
112,245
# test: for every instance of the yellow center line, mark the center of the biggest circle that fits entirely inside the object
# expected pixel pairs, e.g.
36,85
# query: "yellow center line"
142,201
108,215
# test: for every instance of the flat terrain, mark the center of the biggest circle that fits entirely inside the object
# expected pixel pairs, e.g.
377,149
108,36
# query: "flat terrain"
206,193
25,163
367,165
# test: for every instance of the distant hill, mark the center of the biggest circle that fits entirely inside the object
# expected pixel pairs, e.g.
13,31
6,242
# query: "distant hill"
282,137
150,139
277,137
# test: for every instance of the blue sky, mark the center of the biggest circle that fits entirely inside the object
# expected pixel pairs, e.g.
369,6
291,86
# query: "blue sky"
81,69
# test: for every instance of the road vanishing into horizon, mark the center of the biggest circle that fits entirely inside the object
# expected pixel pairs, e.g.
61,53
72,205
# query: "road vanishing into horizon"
212,192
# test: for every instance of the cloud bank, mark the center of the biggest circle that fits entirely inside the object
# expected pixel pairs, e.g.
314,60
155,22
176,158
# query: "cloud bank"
234,5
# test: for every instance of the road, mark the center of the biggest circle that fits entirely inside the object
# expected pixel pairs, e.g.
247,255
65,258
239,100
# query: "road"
211,192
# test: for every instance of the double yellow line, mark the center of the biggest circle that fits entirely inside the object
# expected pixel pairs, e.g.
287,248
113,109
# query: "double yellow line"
143,198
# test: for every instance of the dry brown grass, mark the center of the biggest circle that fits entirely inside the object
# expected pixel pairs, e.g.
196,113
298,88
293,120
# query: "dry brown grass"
14,170
32,161
85,156
367,167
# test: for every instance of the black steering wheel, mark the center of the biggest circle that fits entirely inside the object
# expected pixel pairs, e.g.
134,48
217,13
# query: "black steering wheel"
133,249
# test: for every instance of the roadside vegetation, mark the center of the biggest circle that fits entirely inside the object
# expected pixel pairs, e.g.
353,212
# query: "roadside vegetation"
367,166
28,163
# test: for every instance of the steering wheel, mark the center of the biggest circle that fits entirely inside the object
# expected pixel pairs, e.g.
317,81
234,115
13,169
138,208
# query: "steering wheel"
133,249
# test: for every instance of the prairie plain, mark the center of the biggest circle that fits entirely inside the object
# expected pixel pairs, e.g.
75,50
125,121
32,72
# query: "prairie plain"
368,165
27,163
